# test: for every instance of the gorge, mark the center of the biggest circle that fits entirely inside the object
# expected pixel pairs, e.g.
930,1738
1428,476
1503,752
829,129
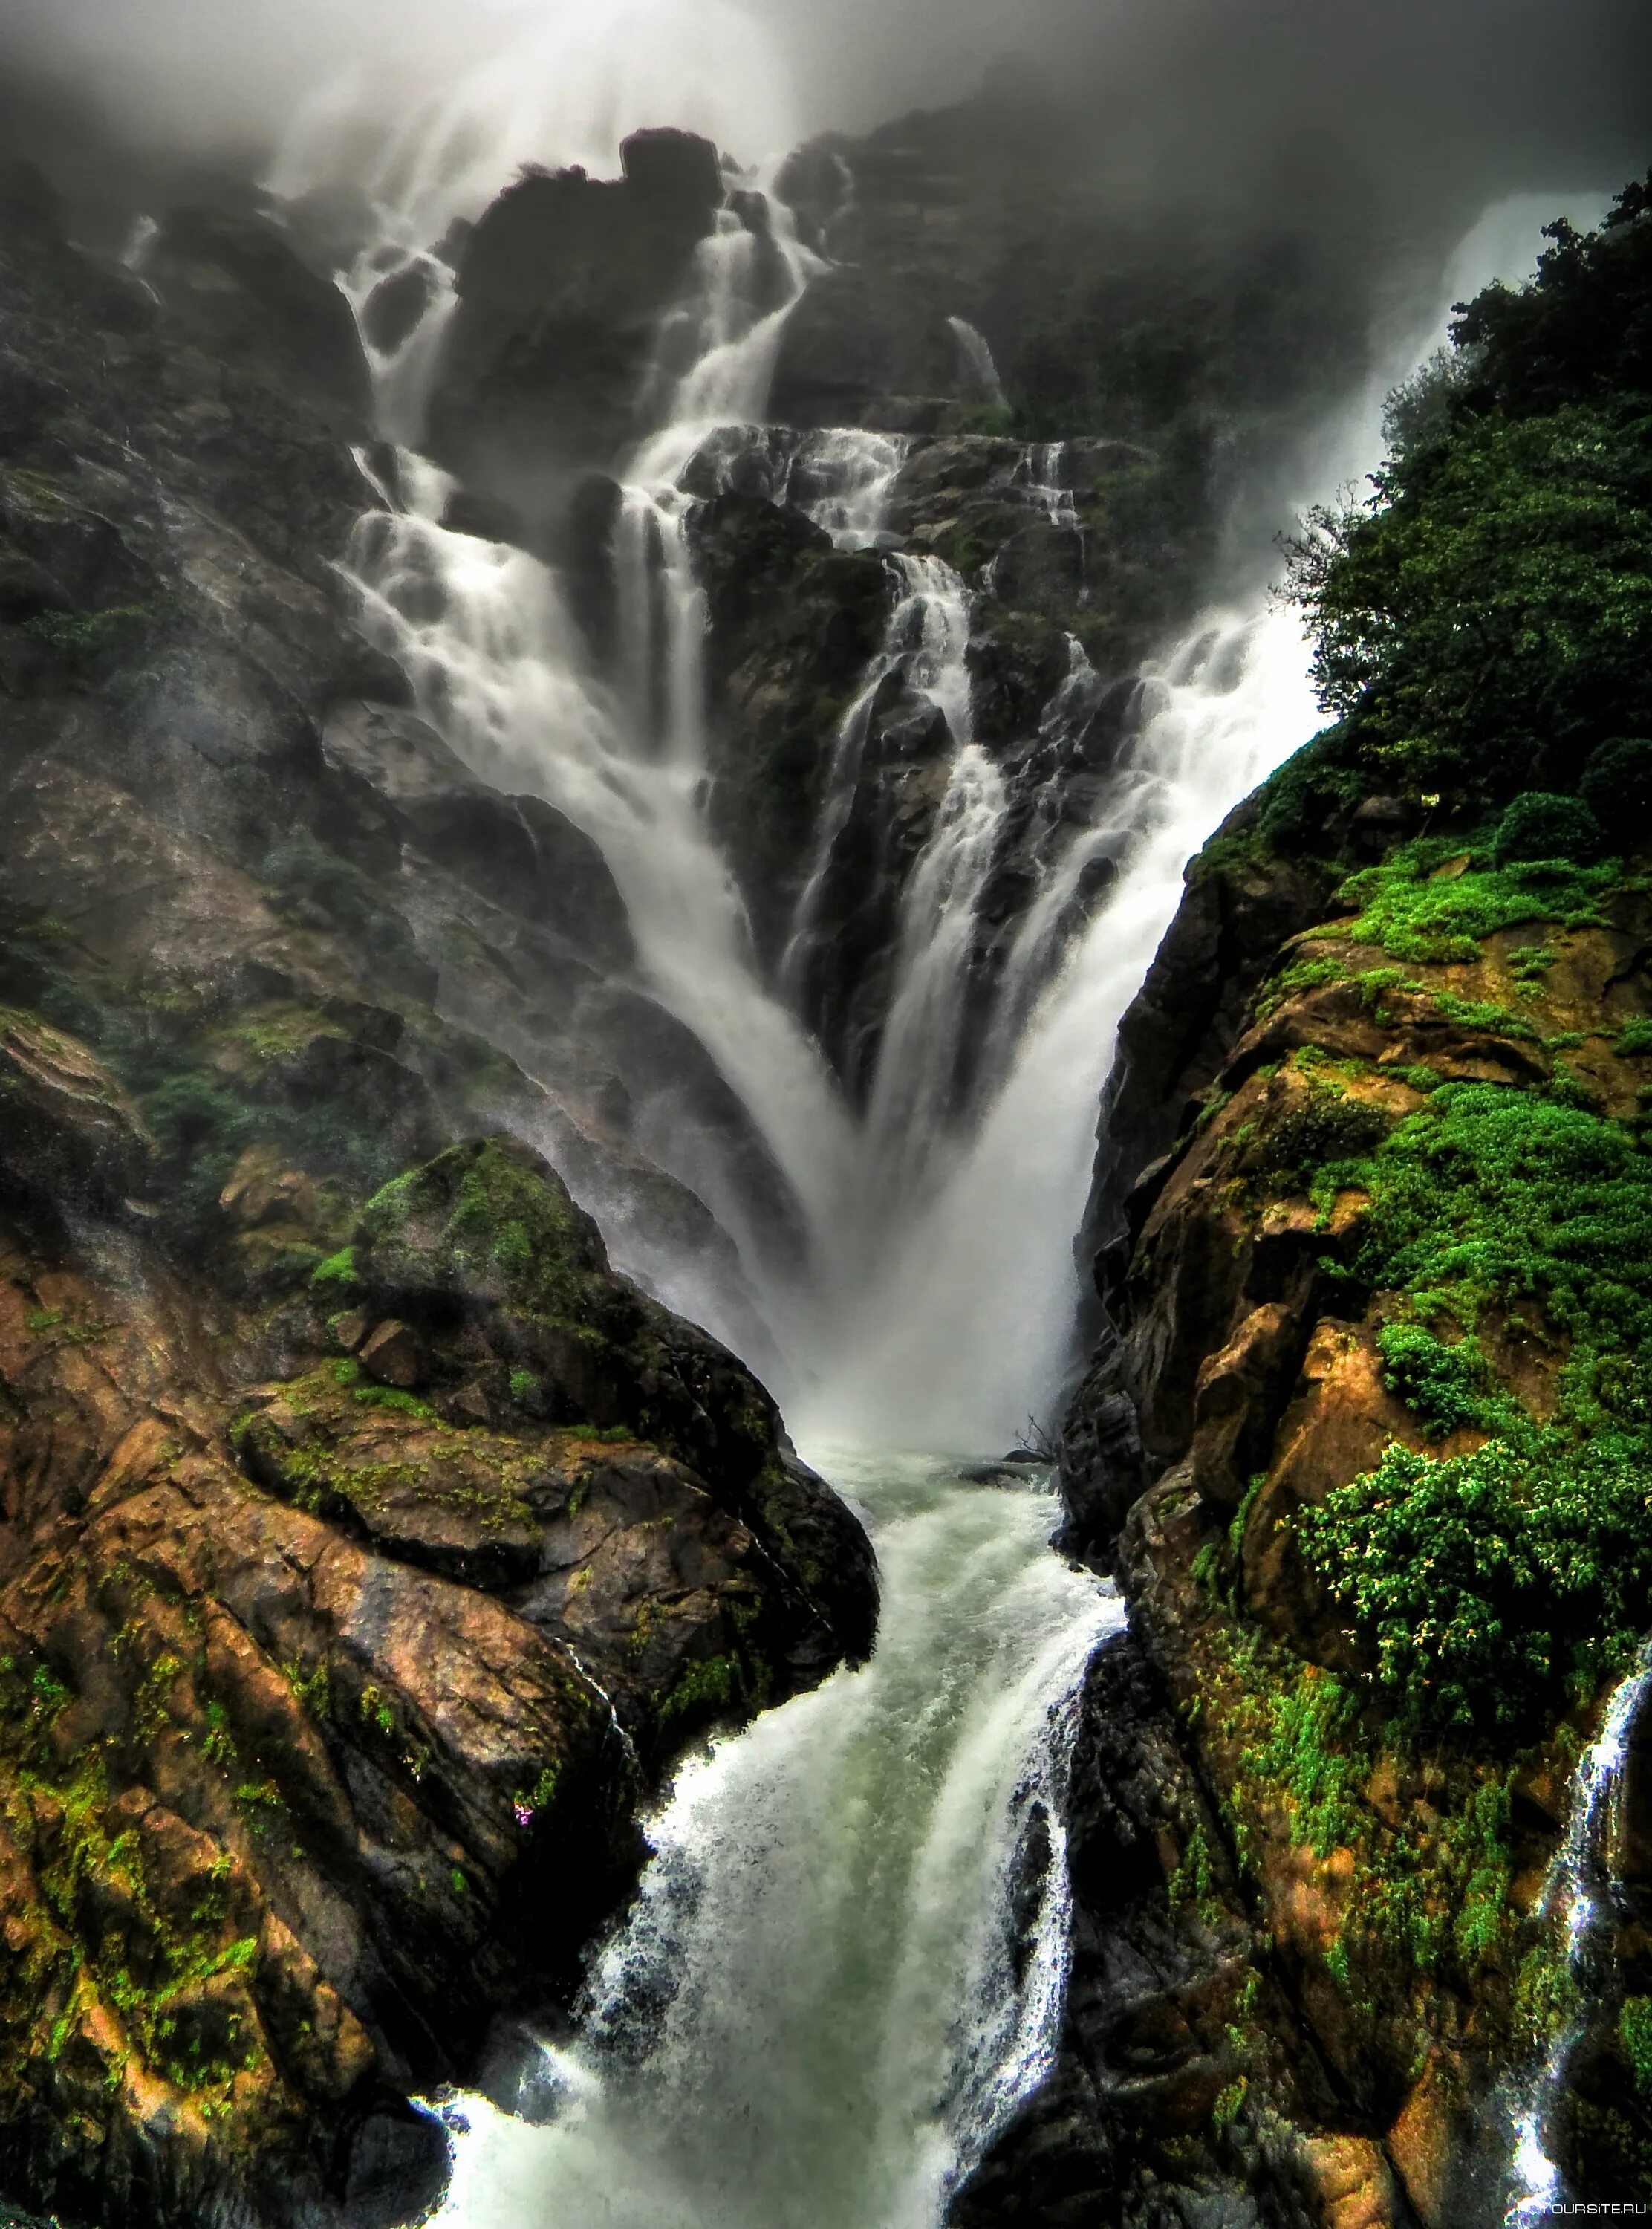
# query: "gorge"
608,758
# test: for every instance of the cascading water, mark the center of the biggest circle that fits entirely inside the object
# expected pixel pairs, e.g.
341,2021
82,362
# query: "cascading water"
845,1963
1576,1899
977,352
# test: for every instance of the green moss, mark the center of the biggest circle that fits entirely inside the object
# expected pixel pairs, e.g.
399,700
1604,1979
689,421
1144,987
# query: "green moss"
1228,2102
338,1269
1325,1128
1402,909
1545,1994
181,1951
528,1802
90,642
1194,1881
484,1215
712,1685
1635,2034
393,1399
1302,975
1635,1037
1310,1759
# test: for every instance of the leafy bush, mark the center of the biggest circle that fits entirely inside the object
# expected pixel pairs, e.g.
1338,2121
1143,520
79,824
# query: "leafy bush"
1490,1586
1484,1582
1617,787
1444,1385
1539,824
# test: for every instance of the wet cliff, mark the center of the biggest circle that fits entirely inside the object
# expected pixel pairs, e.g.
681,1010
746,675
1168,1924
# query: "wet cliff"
1363,1432
371,1546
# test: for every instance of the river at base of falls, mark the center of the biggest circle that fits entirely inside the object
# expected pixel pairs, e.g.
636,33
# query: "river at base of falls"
845,1965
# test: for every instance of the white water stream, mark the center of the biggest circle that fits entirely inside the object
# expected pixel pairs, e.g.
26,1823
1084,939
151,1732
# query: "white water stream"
845,1963
1577,1898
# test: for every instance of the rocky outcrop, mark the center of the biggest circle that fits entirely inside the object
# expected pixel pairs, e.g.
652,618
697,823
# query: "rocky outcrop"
234,284
1384,1891
562,285
371,1546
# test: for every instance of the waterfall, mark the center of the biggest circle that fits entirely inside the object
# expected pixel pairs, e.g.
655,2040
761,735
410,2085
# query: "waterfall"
932,1299
1577,1900
977,359
846,1964
925,642
978,1287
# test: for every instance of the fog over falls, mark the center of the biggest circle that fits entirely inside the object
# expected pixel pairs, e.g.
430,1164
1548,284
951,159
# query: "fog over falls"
1279,106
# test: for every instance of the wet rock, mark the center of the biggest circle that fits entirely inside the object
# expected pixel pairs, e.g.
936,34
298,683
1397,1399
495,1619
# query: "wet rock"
486,517
394,307
561,286
856,351
67,1130
1238,1396
301,1778
517,850
391,1354
235,284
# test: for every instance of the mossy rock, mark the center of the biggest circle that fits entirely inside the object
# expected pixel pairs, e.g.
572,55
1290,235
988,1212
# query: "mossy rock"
486,1225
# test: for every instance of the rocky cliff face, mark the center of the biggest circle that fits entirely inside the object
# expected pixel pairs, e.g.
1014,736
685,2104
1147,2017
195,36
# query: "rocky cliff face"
371,1546
1361,1430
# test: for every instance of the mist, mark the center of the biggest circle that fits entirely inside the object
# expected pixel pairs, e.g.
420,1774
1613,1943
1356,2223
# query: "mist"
1275,103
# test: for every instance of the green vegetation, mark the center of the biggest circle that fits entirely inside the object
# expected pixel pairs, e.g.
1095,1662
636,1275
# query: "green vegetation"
1634,2032
1617,787
702,1688
1327,1125
1409,908
1484,622
92,642
483,1216
321,888
1446,1385
1302,1748
1493,1586
1541,825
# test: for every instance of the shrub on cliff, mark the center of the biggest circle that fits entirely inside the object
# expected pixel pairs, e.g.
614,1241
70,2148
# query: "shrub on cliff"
1617,787
1539,824
1491,1586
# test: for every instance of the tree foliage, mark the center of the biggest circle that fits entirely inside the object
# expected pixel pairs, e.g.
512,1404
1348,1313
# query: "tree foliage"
1484,620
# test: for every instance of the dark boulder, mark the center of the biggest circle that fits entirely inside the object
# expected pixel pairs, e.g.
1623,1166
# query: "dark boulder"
562,285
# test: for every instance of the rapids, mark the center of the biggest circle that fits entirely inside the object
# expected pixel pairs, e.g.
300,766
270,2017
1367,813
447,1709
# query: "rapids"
844,1966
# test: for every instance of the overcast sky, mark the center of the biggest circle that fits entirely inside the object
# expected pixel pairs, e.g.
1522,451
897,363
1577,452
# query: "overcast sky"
1502,93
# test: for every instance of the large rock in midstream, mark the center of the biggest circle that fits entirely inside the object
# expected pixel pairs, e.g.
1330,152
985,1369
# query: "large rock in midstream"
561,287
